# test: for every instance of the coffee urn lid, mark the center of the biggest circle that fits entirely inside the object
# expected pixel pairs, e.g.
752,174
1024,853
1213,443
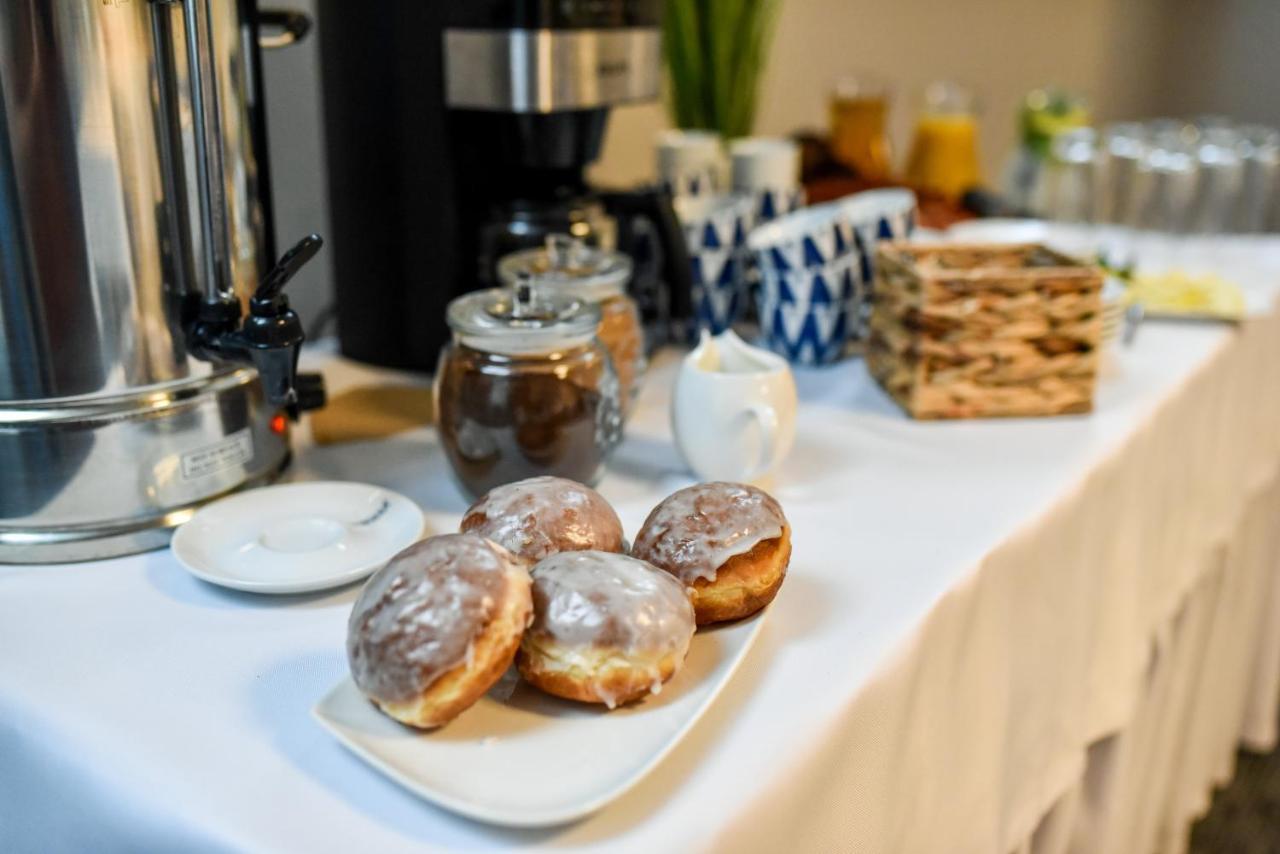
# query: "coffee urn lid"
568,265
522,320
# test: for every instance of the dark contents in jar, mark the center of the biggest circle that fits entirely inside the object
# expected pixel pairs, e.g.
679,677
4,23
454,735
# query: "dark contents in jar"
502,419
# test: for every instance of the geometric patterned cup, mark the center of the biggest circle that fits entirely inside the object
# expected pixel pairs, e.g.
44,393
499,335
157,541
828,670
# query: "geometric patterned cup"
816,271
690,162
805,239
809,315
766,206
810,292
878,215
768,170
715,229
770,203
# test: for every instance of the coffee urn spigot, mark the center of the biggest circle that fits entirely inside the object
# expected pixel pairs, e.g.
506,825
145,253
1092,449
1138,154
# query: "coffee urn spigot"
269,338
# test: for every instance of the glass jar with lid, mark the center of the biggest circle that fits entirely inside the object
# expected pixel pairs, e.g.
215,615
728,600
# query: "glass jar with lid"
525,388
567,265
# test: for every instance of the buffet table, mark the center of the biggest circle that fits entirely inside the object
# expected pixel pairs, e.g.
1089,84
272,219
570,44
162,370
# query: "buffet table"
1027,635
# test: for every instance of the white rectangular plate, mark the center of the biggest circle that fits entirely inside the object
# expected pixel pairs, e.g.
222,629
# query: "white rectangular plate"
535,760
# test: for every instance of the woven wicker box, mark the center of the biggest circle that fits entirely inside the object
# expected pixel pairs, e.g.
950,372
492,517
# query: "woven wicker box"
970,331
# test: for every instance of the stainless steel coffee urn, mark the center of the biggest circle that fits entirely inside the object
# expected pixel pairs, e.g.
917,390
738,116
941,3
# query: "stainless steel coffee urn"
136,313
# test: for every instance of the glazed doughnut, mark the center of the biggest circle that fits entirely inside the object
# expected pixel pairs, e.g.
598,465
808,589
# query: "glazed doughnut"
727,542
435,628
537,517
607,628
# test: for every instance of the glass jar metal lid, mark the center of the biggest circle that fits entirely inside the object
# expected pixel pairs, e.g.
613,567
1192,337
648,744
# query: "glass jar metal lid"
568,265
522,320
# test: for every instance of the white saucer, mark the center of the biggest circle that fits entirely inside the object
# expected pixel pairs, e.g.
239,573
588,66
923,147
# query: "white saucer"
297,537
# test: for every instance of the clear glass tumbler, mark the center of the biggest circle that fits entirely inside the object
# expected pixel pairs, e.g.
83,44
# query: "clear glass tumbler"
859,126
1260,151
1219,181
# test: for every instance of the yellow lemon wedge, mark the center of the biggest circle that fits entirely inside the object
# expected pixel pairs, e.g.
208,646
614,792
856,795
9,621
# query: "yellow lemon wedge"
1181,294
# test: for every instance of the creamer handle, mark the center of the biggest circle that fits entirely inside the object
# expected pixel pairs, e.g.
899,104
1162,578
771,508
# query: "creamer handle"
767,417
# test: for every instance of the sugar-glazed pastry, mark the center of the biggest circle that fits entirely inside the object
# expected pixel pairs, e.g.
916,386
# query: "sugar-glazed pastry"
439,624
607,628
729,543
539,516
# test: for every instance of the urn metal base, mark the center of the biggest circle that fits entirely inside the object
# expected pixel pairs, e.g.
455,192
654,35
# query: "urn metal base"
90,478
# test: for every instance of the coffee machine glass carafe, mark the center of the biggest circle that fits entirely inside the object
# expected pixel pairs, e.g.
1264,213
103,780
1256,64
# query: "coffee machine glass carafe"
518,224
639,223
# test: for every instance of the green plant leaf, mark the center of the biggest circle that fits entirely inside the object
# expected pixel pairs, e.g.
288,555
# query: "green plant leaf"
715,52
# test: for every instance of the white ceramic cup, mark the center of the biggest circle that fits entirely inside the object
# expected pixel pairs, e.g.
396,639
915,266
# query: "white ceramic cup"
690,162
761,163
733,410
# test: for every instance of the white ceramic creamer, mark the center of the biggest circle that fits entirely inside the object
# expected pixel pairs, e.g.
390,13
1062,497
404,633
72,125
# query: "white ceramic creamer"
733,410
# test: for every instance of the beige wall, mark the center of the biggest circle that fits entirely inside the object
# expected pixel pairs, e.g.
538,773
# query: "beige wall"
1108,49
1224,58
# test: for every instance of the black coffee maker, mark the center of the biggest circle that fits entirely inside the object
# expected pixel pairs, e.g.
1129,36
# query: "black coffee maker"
458,132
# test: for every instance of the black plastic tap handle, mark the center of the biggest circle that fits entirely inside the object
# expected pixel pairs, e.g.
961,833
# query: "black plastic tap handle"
285,269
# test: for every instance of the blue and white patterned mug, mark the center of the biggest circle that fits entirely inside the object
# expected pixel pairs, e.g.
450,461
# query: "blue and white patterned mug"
877,215
770,203
809,315
807,238
690,162
715,230
768,170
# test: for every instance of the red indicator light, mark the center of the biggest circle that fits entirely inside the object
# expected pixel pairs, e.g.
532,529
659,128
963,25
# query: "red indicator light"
279,425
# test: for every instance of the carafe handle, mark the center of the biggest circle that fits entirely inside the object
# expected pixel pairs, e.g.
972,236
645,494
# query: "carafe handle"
653,205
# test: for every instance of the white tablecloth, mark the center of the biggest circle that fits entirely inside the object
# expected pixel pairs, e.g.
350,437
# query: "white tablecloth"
992,637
